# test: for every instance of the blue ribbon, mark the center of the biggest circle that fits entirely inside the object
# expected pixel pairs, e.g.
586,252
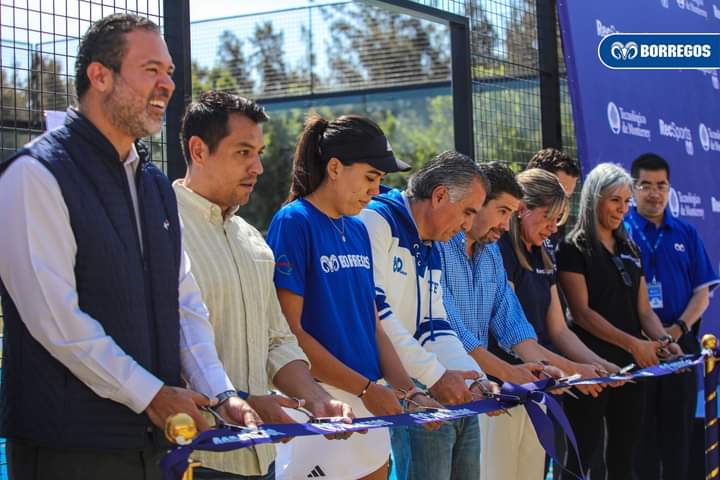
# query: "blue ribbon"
530,395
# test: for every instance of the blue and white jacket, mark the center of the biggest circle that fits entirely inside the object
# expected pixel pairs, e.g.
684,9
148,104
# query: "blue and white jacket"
408,293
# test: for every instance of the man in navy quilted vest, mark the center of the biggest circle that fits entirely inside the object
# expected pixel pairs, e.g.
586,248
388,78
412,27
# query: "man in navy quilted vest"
104,324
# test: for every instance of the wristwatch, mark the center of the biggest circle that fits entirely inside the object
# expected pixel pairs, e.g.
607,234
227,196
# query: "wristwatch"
683,327
227,394
665,340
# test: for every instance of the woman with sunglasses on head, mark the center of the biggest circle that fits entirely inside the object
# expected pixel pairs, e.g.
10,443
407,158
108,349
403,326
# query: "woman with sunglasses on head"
531,273
601,274
325,285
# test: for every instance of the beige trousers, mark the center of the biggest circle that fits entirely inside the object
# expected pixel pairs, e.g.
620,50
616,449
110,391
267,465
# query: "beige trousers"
509,447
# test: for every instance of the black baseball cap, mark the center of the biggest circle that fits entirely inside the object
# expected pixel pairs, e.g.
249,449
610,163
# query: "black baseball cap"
375,151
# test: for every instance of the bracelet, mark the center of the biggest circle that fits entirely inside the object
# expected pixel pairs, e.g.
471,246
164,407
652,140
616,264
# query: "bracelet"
683,327
365,390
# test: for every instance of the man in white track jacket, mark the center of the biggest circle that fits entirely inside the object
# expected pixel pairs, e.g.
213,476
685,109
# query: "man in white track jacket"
442,198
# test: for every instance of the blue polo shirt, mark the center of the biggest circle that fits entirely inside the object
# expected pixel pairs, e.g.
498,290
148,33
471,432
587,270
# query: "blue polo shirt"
675,255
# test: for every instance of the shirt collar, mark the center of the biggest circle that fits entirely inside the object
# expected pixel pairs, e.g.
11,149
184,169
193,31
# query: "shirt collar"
642,222
211,211
406,200
133,159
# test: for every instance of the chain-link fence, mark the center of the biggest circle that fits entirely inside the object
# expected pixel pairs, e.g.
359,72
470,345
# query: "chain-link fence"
37,62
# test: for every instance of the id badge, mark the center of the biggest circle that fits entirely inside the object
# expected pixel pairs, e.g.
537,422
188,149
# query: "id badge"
655,294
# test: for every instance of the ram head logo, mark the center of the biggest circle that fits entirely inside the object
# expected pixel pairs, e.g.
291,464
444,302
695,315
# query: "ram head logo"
627,51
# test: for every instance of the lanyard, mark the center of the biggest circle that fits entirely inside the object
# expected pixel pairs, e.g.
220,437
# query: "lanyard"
652,248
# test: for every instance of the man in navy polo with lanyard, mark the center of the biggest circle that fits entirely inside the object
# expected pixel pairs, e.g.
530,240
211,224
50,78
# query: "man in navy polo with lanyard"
679,277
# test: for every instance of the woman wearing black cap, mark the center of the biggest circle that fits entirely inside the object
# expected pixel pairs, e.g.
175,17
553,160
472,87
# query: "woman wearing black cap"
325,285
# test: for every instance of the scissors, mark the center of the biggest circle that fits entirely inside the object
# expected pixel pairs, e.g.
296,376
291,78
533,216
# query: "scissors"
220,422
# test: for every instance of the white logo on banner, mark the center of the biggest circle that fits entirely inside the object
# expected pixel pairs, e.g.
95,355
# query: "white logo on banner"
715,205
604,30
624,52
674,203
613,118
627,122
704,137
693,6
716,11
679,247
665,3
709,138
678,133
686,204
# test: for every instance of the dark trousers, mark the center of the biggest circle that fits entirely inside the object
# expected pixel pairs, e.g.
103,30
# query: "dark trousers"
30,462
663,453
621,409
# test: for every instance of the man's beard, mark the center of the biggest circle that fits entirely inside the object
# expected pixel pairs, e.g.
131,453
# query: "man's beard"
129,112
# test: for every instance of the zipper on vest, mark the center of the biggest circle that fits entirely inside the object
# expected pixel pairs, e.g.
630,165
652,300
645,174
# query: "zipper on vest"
149,304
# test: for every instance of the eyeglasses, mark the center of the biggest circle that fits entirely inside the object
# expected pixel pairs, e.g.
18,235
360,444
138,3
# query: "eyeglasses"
623,273
649,187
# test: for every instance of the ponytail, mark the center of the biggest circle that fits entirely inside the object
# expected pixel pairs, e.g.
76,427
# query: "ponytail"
308,167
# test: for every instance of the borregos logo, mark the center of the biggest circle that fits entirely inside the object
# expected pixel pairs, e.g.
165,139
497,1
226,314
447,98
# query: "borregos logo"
334,263
627,51
660,50
329,264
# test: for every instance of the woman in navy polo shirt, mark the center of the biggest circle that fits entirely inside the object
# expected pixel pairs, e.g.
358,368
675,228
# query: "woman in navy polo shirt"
531,272
601,274
325,285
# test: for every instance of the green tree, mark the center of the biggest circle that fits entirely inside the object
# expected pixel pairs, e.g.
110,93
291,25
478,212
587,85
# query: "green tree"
46,86
483,36
522,42
377,46
231,58
268,59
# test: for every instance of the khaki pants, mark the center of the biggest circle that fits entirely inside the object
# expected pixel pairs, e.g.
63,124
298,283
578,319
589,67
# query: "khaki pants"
509,447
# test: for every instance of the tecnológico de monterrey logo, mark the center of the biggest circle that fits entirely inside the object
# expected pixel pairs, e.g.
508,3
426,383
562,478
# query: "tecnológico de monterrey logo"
660,50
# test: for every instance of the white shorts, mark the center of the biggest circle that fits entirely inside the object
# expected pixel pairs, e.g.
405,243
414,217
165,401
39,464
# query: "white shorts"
315,456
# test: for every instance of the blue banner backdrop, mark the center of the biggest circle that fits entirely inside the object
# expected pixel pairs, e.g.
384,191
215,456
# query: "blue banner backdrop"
620,114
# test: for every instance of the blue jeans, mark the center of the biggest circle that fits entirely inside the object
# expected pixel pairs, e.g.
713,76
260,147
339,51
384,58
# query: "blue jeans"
203,473
450,453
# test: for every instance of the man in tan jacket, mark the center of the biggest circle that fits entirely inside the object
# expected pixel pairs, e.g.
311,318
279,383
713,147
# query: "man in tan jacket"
222,141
